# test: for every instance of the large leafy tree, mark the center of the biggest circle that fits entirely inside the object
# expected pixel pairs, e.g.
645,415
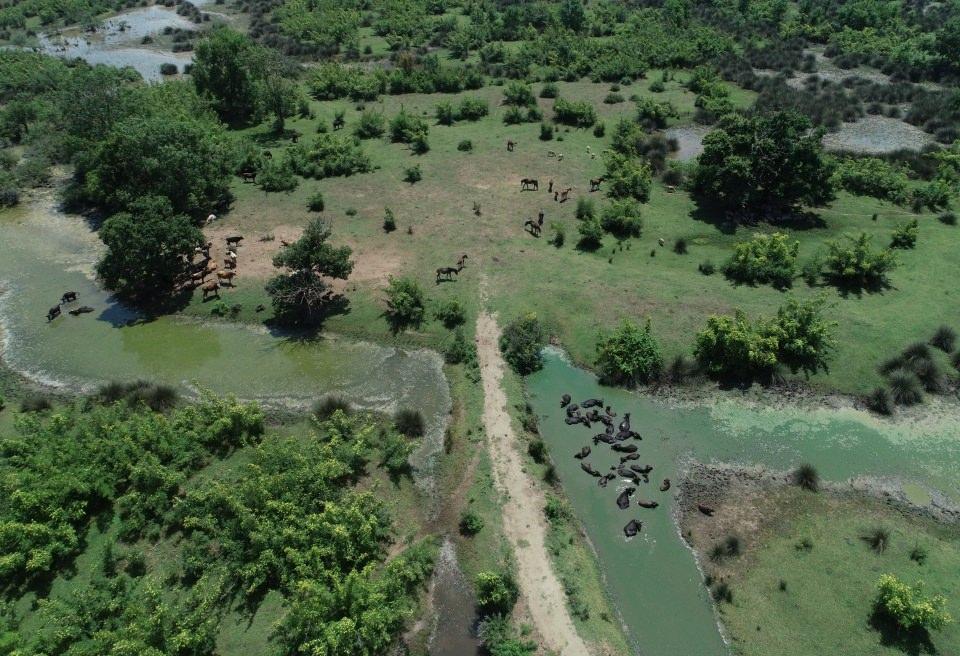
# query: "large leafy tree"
301,295
148,249
521,343
762,165
629,355
185,160
226,68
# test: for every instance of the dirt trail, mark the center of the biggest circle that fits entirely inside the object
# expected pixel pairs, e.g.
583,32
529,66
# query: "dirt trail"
523,521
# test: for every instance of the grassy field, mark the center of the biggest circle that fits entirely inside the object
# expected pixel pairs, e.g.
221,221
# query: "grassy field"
577,293
807,579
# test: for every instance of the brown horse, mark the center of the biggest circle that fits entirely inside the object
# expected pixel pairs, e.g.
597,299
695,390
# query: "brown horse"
565,194
533,227
510,145
595,183
226,277
462,261
212,287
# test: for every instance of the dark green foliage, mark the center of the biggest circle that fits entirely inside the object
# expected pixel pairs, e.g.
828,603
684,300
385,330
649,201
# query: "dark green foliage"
851,262
944,338
472,109
880,401
872,176
470,523
919,555
578,114
763,165
409,422
629,355
905,387
627,177
728,548
226,69
559,234
766,258
329,155
585,208
148,249
389,220
521,343
549,90
496,593
599,130
371,125
405,303
465,146
948,218
518,94
450,313
316,202
546,132
591,234
325,407
723,593
501,639
905,234
680,246
406,127
621,218
538,451
277,175
707,268
157,397
807,477
35,403
413,174
613,98
459,350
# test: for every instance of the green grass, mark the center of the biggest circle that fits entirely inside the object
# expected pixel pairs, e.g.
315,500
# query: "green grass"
830,587
578,294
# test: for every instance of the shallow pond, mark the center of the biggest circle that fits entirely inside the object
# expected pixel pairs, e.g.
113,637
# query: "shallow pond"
689,141
44,253
653,578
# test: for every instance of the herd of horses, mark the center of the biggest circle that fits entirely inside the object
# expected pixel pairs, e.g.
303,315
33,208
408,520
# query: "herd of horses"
616,436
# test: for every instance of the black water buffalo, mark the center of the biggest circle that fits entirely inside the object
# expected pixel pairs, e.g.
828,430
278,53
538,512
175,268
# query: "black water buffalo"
647,504
572,409
624,448
625,424
68,297
564,400
587,467
665,485
623,499
629,456
706,510
602,437
53,313
642,469
632,528
583,453
573,420
83,309
590,403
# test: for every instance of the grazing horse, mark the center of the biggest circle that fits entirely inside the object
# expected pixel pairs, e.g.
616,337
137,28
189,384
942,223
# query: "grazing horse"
226,277
448,272
532,227
595,183
53,313
462,262
211,287
248,176
338,122
565,194
68,297
529,183
671,188
234,240
510,145
540,218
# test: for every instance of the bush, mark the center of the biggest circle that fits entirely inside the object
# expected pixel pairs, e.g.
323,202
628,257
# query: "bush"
329,155
764,259
807,477
371,125
653,115
621,218
627,177
409,422
613,98
629,355
905,234
546,132
413,174
851,262
513,116
871,176
276,175
707,268
450,313
325,407
948,218
35,403
496,593
905,387
576,114
518,94
420,145
549,90
585,208
472,109
465,146
599,130
538,451
908,606
559,234
680,246
470,523
459,350
591,234
445,113
168,69
316,202
521,343
389,220
880,401
406,127
405,303
722,592
944,338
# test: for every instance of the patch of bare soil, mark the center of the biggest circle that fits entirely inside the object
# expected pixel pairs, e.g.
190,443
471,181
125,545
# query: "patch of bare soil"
523,521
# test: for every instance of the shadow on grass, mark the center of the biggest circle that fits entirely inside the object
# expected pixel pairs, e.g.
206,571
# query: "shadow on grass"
914,642
728,222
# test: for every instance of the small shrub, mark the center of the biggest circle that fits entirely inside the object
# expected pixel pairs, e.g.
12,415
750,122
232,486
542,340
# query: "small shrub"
538,451
450,313
420,145
578,114
371,125
918,555
878,539
549,90
905,387
728,548
944,338
496,593
546,132
470,523
413,174
35,403
629,355
316,202
680,246
880,401
521,342
613,98
657,86
550,476
556,509
465,146
722,593
559,234
168,69
585,208
445,113
807,477
905,235
707,268
805,545
389,220
621,218
591,234
766,258
782,586
351,211
908,606
513,116
948,218
599,130
459,350
325,407
409,422
472,109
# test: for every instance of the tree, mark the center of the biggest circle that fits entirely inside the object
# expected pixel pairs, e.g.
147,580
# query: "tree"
187,161
277,91
908,606
591,234
627,177
225,69
405,303
521,343
496,593
621,218
148,249
763,164
572,15
804,336
629,355
301,295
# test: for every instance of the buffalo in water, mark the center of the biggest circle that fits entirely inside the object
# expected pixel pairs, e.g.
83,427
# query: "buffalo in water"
590,403
632,528
624,448
583,453
68,297
53,313
83,309
610,412
606,478
564,400
647,504
623,499
625,424
571,409
587,467
571,421
665,485
629,456
602,437
645,469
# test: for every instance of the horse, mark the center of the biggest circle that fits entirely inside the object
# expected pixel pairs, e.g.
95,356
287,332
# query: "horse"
595,183
211,267
212,286
248,176
234,240
448,272
671,189
529,183
53,313
462,262
532,227
510,145
68,297
550,186
226,276
565,194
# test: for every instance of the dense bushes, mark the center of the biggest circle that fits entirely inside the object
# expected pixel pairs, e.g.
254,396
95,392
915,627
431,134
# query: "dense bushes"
621,218
329,155
766,258
627,177
629,355
908,606
521,343
405,303
576,114
871,176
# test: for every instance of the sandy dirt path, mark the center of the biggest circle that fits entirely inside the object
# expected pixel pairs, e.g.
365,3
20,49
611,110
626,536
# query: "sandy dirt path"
523,520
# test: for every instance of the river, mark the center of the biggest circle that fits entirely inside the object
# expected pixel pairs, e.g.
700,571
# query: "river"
653,578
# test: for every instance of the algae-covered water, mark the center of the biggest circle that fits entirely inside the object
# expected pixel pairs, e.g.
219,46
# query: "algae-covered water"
44,253
653,578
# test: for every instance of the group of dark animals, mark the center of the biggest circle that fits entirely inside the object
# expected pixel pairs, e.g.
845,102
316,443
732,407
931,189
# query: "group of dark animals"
615,436
68,297
447,273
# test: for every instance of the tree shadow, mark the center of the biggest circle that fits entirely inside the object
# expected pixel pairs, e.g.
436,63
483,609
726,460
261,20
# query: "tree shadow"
727,222
397,323
300,326
857,288
913,642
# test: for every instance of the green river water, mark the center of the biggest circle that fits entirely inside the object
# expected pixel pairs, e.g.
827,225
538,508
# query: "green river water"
653,578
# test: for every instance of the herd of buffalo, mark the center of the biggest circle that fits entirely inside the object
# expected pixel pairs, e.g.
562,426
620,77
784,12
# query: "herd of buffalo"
66,298
616,436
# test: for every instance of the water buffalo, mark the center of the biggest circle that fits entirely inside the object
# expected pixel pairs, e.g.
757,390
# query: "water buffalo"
623,499
647,504
572,409
632,528
234,240
583,453
570,421
610,412
602,437
564,400
665,485
83,309
587,467
629,456
68,297
624,448
642,469
625,424
706,510
589,403
53,313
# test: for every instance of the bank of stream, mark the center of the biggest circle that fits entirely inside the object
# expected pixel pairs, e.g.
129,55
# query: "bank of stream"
653,578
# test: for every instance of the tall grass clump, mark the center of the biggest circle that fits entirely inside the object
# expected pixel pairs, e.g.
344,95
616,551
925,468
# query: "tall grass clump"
905,387
807,477
409,422
944,338
325,407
